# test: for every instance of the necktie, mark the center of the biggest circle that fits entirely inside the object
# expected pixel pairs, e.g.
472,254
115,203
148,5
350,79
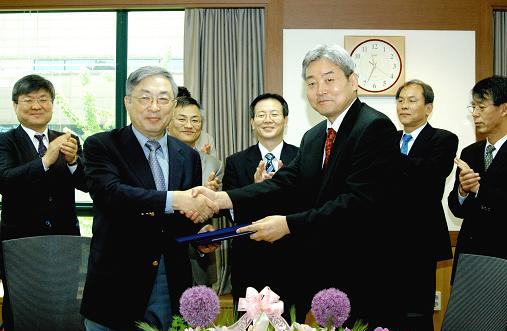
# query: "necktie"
269,165
404,146
41,150
156,170
488,158
331,134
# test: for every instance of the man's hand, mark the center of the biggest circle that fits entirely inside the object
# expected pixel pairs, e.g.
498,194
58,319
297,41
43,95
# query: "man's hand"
468,179
69,150
221,198
206,149
260,175
213,182
269,228
198,208
210,247
54,149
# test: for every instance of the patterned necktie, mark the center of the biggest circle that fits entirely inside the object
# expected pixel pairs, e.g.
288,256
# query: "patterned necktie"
404,146
41,150
156,170
331,134
269,165
488,158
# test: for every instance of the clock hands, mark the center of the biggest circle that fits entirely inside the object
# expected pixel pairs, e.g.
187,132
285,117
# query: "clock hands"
374,64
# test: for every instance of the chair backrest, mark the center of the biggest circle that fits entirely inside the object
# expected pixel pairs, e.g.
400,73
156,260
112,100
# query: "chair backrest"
45,278
479,295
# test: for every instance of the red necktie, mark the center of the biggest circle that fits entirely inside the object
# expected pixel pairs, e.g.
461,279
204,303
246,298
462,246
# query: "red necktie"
331,134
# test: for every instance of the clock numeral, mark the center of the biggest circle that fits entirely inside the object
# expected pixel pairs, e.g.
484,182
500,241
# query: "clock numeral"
364,82
384,83
392,75
391,56
365,49
374,86
374,46
357,56
394,65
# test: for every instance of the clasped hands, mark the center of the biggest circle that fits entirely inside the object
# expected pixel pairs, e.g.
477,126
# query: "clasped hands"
269,229
66,144
468,179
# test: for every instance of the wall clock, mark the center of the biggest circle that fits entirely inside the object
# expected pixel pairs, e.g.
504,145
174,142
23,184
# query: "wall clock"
379,63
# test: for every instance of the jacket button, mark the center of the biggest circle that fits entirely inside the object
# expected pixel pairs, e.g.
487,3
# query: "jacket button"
50,199
48,223
155,263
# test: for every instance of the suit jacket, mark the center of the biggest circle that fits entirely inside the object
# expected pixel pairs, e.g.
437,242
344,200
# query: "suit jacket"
426,168
485,214
36,202
239,171
130,228
342,215
210,163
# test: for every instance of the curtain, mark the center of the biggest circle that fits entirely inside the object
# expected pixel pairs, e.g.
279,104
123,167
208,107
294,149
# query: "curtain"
223,70
500,42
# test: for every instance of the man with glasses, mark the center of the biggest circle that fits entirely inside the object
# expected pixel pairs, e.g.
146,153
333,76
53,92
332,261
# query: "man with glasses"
269,114
137,178
39,171
427,154
480,189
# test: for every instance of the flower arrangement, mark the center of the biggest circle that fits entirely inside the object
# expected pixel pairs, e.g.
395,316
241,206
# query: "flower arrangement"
199,308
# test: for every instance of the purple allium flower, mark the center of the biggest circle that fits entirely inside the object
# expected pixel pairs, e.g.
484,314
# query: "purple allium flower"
380,329
330,307
199,306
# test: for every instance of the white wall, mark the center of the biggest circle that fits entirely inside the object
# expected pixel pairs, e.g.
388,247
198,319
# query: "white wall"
443,59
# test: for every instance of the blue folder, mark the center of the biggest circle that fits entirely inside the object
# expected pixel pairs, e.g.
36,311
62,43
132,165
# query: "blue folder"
213,236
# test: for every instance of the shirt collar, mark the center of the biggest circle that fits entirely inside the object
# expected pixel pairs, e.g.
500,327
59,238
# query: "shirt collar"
277,151
143,139
498,144
416,132
336,124
31,133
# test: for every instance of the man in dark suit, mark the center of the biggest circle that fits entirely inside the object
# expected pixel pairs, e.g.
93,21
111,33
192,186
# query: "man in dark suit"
269,115
427,154
136,269
480,189
39,170
342,188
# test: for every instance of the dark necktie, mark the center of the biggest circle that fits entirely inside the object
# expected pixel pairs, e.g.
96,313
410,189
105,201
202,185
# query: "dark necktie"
404,145
156,170
331,134
488,158
269,165
41,150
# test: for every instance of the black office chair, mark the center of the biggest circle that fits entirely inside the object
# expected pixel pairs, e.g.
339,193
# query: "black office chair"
478,299
45,278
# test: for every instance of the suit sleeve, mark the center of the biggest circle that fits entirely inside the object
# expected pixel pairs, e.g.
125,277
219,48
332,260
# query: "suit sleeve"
12,174
106,186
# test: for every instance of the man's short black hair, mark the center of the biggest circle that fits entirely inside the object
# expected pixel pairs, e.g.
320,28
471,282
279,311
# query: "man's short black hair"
183,92
494,88
31,83
265,96
428,94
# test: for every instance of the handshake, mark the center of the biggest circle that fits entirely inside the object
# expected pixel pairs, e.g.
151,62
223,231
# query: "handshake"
200,203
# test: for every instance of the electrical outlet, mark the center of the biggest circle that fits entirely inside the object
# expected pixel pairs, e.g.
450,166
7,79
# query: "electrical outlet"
438,301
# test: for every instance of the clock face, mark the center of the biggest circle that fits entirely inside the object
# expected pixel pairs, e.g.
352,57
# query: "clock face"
378,65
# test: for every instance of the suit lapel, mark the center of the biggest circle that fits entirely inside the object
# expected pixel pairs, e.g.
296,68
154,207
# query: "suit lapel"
176,161
499,160
339,144
286,156
253,157
421,142
26,147
135,157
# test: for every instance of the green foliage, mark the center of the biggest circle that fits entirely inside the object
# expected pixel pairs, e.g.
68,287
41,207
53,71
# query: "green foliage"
91,119
178,324
292,314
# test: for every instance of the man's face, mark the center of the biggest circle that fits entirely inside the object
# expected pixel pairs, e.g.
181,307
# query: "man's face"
488,118
268,121
328,90
412,112
148,106
34,110
186,124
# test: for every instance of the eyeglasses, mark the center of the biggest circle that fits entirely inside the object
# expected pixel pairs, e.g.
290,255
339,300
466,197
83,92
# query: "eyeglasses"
273,116
42,101
146,100
480,108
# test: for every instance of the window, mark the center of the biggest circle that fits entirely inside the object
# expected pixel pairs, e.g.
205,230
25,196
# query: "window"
76,51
